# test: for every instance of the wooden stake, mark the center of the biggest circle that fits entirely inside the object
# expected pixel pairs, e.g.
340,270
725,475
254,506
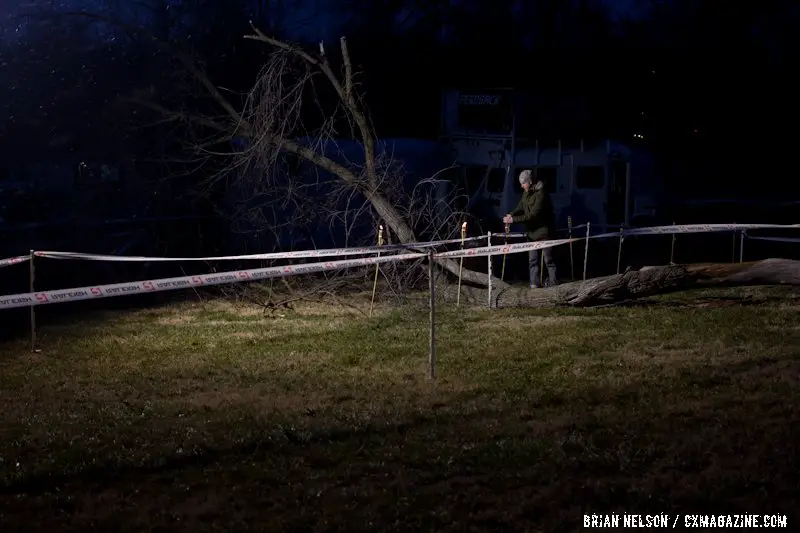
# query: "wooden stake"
586,250
432,339
461,262
741,246
672,249
571,256
489,270
32,277
377,268
503,271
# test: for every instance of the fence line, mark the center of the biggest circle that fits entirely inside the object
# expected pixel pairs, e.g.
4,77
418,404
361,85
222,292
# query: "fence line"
62,295
14,260
32,299
300,254
183,282
773,239
120,289
331,252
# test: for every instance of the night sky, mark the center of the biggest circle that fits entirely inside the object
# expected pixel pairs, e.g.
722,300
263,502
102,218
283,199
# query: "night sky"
684,92
13,11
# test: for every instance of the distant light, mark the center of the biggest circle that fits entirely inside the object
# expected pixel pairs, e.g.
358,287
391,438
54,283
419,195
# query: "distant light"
638,136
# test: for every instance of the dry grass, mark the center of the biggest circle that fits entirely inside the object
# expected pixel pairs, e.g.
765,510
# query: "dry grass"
203,417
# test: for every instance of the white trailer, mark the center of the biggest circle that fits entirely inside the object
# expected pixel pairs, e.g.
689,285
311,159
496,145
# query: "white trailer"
605,183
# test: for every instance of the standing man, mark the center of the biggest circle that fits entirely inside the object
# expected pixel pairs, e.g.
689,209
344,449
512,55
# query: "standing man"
535,210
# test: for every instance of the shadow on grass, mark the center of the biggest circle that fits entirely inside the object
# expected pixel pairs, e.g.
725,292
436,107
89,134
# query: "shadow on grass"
523,463
324,424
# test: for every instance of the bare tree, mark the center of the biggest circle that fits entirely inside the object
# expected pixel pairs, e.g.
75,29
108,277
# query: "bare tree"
269,123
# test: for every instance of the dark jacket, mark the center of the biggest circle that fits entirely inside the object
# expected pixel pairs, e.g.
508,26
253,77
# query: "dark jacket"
535,210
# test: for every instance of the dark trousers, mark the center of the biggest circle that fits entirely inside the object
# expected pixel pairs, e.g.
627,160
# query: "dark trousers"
533,267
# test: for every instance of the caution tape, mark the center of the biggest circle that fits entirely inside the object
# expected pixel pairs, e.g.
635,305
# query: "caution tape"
14,260
166,284
516,247
773,239
703,228
686,228
563,230
521,235
184,282
655,230
510,235
300,254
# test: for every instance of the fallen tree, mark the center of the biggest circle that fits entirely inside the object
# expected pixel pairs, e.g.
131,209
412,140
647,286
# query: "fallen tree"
272,104
255,129
647,281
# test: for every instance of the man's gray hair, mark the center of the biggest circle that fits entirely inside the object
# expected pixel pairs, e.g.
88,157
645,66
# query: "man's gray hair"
525,177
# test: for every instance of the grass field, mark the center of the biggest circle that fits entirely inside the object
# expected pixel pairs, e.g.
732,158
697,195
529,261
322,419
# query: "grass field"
210,417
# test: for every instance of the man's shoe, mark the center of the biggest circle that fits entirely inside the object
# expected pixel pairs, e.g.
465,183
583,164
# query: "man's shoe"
534,286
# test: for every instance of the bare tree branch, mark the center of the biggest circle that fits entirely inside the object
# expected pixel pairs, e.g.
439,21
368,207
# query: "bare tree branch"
271,125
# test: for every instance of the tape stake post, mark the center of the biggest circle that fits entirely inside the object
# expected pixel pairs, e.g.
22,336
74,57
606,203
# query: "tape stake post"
503,270
489,270
672,249
586,249
461,263
571,255
432,337
32,278
741,246
733,249
377,268
619,249
541,268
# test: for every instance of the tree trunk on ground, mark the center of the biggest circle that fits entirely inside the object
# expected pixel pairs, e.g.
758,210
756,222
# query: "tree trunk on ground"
647,281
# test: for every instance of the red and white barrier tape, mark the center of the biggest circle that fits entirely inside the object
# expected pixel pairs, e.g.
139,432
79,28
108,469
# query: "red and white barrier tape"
656,230
516,247
773,239
702,228
183,282
686,228
14,260
119,289
276,255
560,230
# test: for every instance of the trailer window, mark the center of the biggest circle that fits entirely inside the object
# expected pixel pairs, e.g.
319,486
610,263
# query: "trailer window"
593,177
